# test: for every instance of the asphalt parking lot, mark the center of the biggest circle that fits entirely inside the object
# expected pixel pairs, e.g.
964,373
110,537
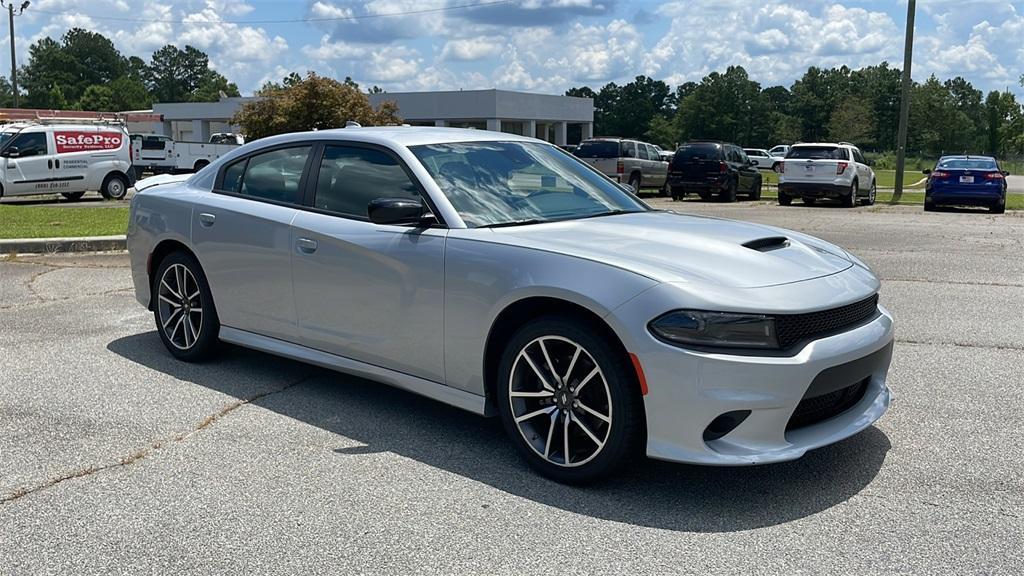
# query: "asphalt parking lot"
116,458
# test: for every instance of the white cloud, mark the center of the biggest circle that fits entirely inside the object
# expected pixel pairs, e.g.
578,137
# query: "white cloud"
472,48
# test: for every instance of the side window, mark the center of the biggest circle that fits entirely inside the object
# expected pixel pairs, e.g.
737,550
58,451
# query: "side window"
858,156
30,144
629,149
350,177
641,152
273,175
742,156
652,154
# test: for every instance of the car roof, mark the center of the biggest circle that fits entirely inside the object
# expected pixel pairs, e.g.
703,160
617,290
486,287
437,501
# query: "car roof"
966,157
399,135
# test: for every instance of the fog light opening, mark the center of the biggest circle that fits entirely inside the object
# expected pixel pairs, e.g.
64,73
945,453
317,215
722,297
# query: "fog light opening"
724,424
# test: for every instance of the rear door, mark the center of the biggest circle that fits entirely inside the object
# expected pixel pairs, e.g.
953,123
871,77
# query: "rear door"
370,292
242,234
658,168
747,170
603,155
813,164
694,163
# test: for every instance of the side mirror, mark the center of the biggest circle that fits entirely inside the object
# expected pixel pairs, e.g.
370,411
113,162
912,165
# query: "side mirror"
12,152
1006,172
399,211
926,171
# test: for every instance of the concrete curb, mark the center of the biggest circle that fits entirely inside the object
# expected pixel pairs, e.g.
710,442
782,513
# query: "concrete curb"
63,245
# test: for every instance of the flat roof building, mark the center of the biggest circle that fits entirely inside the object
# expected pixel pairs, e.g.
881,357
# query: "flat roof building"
558,119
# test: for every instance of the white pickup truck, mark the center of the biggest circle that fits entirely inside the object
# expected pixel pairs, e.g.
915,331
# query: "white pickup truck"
158,154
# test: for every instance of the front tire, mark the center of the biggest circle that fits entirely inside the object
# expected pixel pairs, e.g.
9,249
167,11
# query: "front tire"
569,400
183,308
73,196
115,187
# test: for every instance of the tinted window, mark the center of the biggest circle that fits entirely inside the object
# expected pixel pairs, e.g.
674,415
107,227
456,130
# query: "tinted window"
629,150
349,178
757,153
492,183
652,153
697,152
641,152
30,144
153,143
273,175
967,164
598,149
817,153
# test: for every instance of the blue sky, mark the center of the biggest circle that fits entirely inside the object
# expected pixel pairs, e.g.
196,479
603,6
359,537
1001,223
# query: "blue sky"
550,45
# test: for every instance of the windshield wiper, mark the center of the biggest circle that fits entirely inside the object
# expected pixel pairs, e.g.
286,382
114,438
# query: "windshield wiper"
609,213
514,223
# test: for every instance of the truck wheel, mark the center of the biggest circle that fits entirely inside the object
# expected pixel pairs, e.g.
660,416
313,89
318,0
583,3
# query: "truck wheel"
755,192
634,183
200,164
851,200
678,193
785,200
73,196
729,195
115,186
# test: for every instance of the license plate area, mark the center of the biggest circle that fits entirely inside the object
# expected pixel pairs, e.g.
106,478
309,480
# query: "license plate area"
967,179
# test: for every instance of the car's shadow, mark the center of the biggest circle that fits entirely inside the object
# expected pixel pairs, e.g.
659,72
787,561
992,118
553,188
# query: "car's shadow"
654,494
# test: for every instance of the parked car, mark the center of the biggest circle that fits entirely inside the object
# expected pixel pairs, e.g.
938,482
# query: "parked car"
498,274
966,181
762,159
159,154
631,162
826,171
780,151
42,157
712,168
665,155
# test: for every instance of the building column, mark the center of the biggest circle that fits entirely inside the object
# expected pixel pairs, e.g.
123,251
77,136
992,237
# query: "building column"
542,131
588,131
494,124
440,123
530,128
200,130
560,133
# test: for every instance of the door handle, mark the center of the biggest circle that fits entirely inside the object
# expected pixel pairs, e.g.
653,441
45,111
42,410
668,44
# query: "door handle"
56,163
306,245
49,164
207,219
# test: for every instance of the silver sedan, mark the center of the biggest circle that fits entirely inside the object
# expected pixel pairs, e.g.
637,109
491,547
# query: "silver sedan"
503,276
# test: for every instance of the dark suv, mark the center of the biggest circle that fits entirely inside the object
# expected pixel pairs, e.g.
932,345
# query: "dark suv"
709,167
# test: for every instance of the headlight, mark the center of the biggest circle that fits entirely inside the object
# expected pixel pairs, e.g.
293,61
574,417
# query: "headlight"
720,329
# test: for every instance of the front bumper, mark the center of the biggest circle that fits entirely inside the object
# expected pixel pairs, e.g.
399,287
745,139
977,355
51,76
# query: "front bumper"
689,389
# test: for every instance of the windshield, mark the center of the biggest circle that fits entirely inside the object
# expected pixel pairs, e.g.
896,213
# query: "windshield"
5,137
508,183
967,164
598,149
817,153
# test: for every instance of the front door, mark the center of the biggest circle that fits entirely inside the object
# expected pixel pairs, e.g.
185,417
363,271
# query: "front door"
28,162
369,292
242,235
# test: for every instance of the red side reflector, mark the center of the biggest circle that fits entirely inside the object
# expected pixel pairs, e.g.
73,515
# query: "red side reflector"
639,373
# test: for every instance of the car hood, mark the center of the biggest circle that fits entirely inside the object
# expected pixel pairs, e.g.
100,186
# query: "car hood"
671,247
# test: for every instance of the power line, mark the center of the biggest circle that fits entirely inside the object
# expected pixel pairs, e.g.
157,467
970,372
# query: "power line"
284,21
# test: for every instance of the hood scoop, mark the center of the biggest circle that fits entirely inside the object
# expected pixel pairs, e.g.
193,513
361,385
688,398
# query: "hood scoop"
767,244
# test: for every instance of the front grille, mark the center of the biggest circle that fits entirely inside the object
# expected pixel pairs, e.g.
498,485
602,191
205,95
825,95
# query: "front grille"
793,328
813,410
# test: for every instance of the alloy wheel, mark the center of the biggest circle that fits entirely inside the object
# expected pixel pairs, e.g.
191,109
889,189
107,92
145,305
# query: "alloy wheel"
180,306
560,401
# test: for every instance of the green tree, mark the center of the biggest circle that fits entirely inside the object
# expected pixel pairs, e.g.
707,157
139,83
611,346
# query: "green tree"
853,120
129,93
176,75
211,86
663,131
6,93
727,107
98,98
314,103
48,67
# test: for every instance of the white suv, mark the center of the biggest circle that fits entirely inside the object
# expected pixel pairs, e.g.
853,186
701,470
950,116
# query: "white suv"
833,171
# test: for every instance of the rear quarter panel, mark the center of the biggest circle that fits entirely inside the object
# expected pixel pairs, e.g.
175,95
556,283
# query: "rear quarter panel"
157,214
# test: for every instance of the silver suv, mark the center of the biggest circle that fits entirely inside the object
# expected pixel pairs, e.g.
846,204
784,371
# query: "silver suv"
631,162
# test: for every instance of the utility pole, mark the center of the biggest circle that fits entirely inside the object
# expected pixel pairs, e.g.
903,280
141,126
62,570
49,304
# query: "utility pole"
9,4
901,138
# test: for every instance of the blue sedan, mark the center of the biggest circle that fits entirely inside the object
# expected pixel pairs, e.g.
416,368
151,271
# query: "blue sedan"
966,181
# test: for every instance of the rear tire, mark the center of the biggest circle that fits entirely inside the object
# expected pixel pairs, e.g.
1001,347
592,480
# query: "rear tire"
200,164
851,200
73,196
635,182
729,194
115,187
755,192
870,200
678,193
784,200
183,308
615,416
998,208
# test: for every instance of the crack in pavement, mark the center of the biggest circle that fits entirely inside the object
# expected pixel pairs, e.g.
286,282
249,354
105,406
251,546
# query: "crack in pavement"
962,344
151,448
